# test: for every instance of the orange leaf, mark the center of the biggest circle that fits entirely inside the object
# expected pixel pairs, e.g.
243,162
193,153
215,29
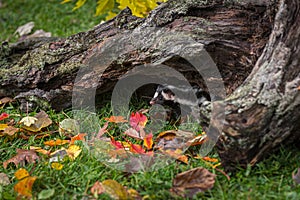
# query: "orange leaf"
21,173
148,141
4,116
24,187
116,119
80,136
298,87
135,148
177,155
138,120
57,142
210,159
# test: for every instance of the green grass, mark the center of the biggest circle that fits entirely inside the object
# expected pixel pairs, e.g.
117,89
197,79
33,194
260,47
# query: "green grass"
270,179
49,15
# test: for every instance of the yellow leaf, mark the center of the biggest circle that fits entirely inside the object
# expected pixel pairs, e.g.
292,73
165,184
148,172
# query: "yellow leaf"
104,6
79,4
27,121
3,127
110,15
57,166
114,189
21,173
24,187
73,151
65,1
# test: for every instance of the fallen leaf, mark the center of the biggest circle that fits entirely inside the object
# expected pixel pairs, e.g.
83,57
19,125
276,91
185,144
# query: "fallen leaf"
21,173
116,144
10,130
22,156
40,150
3,127
102,131
25,29
24,186
69,126
148,141
97,188
4,180
133,194
133,133
57,142
298,87
210,159
198,140
37,123
28,121
3,116
177,154
79,137
296,177
46,194
138,120
114,189
73,151
57,166
116,119
191,182
136,148
6,100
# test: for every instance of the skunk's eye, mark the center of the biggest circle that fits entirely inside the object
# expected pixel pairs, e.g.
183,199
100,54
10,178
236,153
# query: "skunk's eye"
160,98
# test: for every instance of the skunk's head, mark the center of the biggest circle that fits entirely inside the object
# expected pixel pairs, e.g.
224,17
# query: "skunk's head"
162,96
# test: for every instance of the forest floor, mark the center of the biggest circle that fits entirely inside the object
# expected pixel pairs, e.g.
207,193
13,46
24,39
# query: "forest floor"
74,177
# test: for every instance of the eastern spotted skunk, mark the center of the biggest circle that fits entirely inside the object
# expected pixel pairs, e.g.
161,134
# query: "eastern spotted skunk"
179,99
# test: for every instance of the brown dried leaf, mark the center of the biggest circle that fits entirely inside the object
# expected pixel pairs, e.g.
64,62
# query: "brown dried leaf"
4,180
22,156
131,132
191,182
6,100
10,130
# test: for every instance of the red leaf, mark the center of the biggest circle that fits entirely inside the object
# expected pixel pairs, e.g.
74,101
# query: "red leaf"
148,141
4,116
135,148
116,144
138,120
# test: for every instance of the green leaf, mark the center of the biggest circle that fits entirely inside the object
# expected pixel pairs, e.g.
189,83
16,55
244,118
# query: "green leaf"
45,194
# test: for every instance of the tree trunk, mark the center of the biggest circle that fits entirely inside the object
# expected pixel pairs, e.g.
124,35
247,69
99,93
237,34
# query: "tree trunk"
255,45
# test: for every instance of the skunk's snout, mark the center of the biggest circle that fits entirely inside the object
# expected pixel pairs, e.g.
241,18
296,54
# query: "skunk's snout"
152,102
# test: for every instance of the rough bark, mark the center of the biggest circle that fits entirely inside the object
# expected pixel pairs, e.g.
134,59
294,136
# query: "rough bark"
261,107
